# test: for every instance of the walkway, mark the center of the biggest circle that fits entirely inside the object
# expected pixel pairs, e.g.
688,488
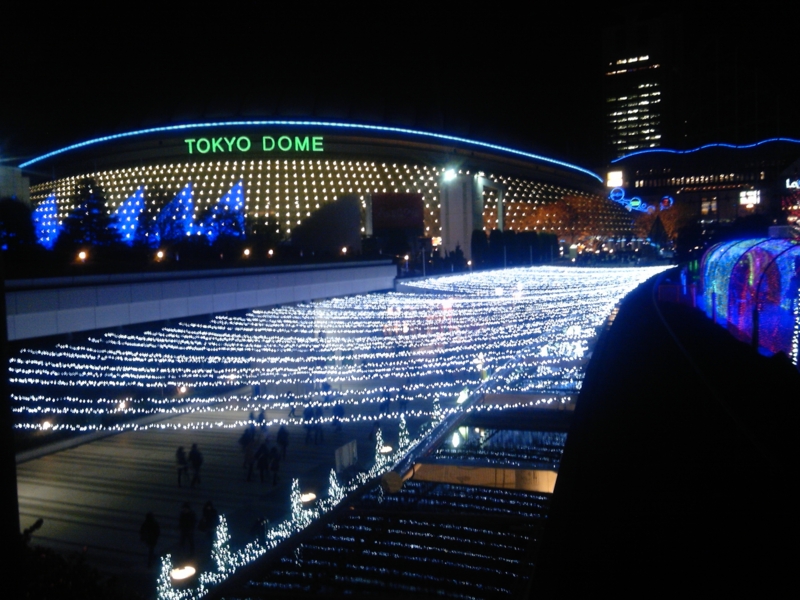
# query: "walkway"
93,497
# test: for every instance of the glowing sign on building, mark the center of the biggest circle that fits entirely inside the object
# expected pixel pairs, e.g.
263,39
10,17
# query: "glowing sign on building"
749,197
614,179
242,143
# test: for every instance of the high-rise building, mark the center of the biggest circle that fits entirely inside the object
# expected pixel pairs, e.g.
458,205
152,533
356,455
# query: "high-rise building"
639,62
633,103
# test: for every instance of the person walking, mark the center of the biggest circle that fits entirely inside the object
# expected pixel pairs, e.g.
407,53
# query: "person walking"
209,519
338,415
275,464
308,415
187,521
262,460
283,440
250,458
182,463
319,436
195,462
148,533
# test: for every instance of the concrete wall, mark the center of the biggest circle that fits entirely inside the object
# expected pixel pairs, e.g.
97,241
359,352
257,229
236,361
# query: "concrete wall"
14,184
37,308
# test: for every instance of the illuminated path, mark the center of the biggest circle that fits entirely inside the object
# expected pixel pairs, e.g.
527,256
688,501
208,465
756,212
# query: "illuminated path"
428,346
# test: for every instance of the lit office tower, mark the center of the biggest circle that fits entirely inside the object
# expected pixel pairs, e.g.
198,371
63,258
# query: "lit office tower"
641,107
633,103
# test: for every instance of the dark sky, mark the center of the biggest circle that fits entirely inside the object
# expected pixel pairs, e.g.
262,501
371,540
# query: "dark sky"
531,79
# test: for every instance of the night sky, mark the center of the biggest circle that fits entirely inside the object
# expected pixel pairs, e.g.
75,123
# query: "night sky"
530,79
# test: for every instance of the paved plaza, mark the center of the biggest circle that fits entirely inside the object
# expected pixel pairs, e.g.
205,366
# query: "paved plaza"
93,497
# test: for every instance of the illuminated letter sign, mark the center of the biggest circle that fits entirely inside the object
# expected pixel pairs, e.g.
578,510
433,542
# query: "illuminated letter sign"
298,144
284,143
243,144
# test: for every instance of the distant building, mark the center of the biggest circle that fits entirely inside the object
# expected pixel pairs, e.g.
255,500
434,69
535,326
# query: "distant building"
633,104
638,92
718,182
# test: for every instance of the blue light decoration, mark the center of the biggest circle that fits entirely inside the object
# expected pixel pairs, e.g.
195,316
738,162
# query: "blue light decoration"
45,222
127,216
618,195
226,219
752,288
707,146
176,219
312,124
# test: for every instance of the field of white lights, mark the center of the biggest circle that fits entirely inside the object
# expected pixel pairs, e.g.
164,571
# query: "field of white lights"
453,333
526,332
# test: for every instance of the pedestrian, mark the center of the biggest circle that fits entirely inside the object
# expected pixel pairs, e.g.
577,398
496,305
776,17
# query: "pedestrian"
262,458
209,519
247,436
148,533
275,464
308,415
290,402
338,414
195,462
250,458
386,404
187,521
182,463
319,436
283,440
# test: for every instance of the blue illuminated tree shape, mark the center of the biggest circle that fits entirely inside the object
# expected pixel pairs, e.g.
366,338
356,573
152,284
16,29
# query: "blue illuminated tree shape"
127,216
89,222
45,222
176,220
227,218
